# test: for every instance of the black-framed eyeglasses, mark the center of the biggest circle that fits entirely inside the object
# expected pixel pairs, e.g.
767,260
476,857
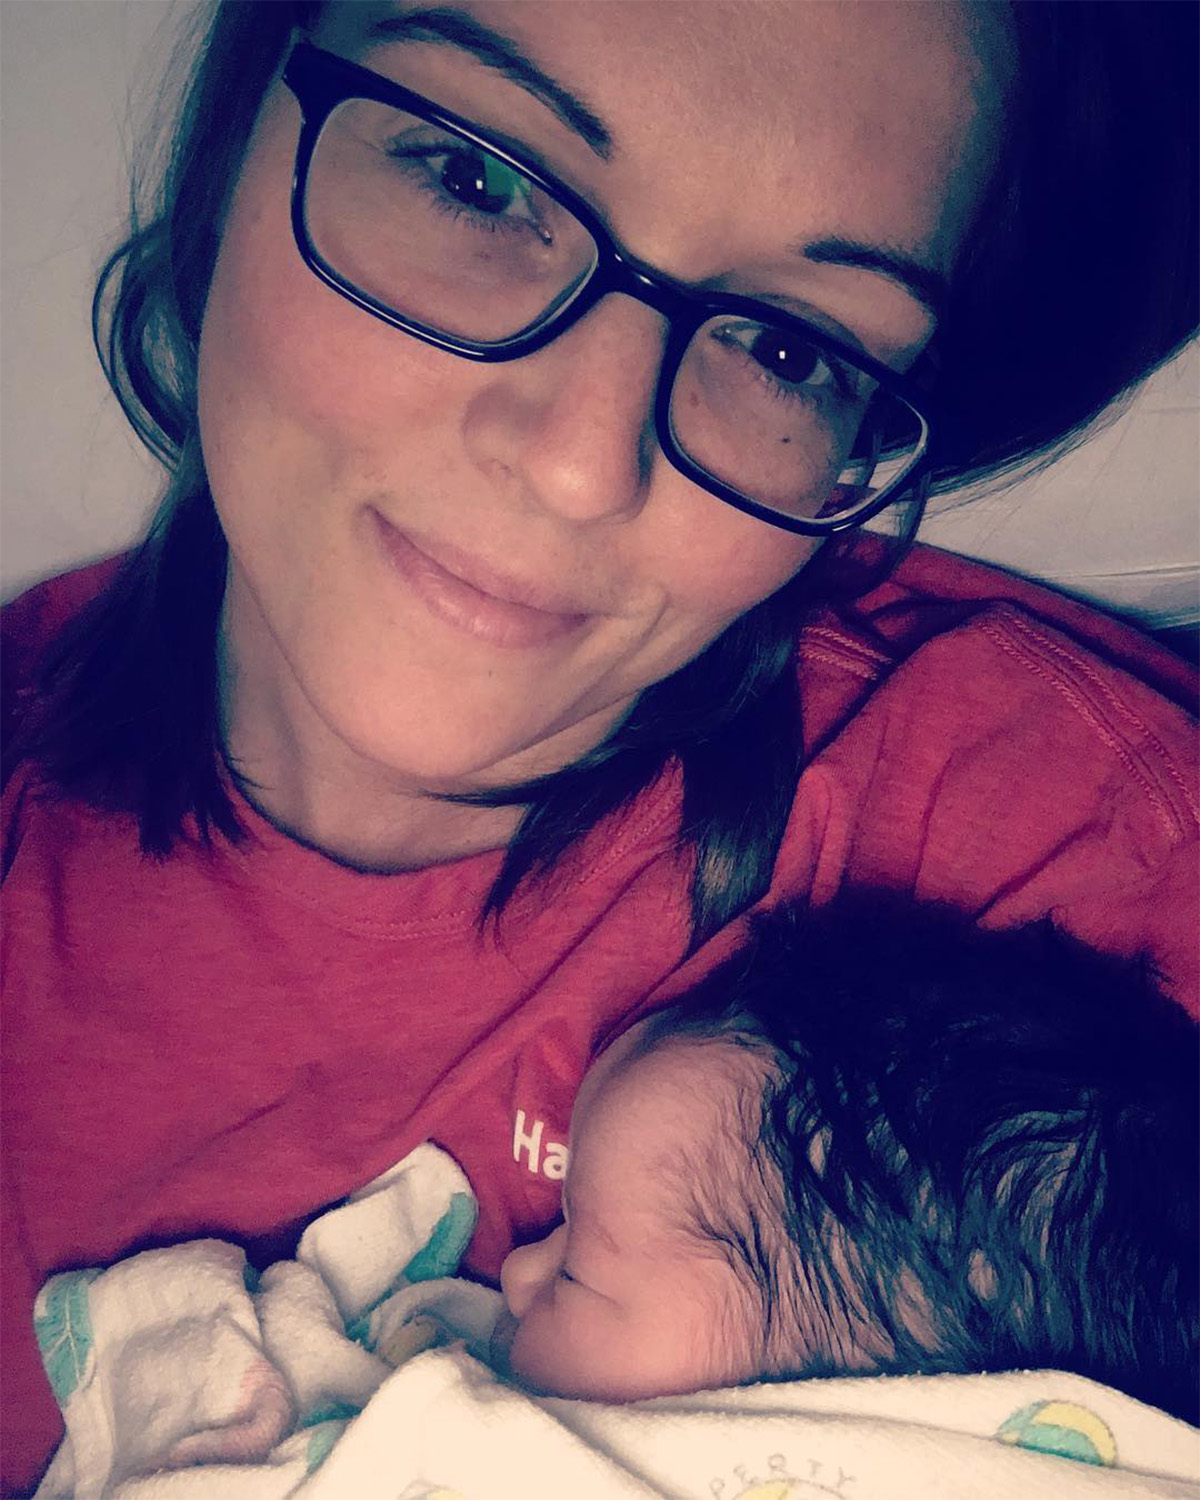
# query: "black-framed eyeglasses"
422,220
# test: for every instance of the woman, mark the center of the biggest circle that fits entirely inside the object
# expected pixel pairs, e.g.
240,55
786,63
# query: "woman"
461,690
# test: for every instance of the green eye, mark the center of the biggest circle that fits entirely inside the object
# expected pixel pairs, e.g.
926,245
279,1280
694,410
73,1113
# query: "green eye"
481,181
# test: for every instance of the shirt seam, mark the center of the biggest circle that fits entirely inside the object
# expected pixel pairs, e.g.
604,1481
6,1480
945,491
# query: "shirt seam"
445,922
848,649
1001,631
864,670
1118,707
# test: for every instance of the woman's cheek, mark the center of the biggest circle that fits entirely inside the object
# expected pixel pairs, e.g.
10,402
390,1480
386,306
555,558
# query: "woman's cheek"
321,367
717,555
731,563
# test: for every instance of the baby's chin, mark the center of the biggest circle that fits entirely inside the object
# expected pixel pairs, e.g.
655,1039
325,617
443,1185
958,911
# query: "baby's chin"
507,1363
576,1386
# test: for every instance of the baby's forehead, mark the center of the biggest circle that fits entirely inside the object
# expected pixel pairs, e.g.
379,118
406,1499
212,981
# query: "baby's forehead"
664,1157
660,1054
670,1093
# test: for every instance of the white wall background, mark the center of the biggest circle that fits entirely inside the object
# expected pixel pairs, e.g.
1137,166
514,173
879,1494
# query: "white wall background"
77,80
1118,521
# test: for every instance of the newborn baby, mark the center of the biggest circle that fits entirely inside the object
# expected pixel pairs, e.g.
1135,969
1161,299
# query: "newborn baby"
878,1140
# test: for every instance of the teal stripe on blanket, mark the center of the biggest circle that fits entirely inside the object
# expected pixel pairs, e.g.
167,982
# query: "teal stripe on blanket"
439,1257
62,1324
447,1244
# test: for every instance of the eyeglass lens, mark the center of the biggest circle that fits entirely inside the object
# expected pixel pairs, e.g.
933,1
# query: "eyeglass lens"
445,235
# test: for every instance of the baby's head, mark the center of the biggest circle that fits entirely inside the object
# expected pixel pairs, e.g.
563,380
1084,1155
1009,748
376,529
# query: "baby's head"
878,1140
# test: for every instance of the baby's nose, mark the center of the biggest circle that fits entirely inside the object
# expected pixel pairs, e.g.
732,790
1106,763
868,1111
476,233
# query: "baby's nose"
526,1270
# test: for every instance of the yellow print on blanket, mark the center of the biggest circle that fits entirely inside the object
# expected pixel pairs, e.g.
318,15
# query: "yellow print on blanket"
779,1484
1062,1428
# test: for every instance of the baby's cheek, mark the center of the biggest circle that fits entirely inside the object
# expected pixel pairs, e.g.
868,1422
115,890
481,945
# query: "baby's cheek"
531,1352
560,1351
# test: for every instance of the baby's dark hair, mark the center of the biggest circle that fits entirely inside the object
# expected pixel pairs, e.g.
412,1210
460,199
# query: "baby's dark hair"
976,1150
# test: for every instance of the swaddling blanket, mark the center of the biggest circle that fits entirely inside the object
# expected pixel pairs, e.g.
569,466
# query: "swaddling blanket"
185,1356
181,1373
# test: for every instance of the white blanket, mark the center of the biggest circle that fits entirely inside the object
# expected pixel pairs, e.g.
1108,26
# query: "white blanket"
180,1373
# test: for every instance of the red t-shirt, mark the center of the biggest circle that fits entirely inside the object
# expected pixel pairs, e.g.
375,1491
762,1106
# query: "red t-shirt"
229,1041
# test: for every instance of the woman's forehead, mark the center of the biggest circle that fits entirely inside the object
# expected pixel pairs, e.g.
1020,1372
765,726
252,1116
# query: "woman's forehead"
774,123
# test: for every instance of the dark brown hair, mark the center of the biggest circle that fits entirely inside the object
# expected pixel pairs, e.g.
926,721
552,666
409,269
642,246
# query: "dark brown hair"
978,1148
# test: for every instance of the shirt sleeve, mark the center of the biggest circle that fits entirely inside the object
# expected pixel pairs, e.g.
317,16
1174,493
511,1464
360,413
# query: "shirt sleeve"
1004,769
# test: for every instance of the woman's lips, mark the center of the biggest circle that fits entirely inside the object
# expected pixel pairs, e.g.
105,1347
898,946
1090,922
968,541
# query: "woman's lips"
473,609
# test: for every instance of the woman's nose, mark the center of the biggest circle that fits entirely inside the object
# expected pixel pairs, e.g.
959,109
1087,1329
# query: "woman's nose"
571,427
529,1268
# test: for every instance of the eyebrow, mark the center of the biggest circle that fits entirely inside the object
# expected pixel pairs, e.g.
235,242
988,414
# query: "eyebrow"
929,287
596,1227
456,29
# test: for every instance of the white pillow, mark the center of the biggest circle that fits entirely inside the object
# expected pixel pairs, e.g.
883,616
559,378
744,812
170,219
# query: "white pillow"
1116,521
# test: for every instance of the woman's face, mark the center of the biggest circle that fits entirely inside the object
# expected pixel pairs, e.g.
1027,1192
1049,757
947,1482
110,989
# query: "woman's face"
467,572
